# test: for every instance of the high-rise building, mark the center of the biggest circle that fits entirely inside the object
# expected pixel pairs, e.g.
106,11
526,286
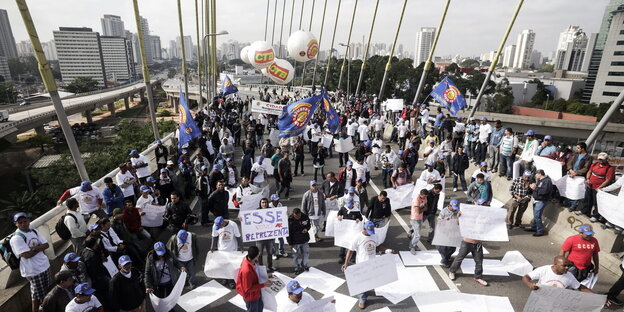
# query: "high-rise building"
115,57
509,54
536,59
610,75
49,49
188,47
80,54
147,43
571,49
25,49
156,49
5,74
130,49
112,26
7,41
488,56
424,42
173,49
524,49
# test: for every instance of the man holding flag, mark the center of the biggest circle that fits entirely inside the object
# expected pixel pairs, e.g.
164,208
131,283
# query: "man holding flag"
297,115
228,87
447,94
187,129
333,119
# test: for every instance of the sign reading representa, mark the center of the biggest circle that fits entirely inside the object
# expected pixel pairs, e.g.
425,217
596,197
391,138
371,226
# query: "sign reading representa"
263,224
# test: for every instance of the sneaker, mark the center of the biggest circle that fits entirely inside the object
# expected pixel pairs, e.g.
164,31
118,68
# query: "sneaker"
615,301
510,226
413,251
609,225
362,306
538,234
307,269
452,276
481,282
454,189
303,174
272,269
284,254
274,257
297,271
578,213
593,220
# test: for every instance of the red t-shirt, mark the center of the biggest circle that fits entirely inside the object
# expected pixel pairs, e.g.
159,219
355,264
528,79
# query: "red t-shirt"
599,173
581,250
132,219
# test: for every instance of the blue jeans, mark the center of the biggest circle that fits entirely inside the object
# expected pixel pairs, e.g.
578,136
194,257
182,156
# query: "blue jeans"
506,165
254,306
538,210
416,225
362,297
190,270
300,251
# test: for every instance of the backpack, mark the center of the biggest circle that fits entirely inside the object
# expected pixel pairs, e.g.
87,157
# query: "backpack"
7,252
61,229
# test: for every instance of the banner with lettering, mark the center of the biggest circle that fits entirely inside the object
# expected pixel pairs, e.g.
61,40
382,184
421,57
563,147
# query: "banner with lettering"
263,224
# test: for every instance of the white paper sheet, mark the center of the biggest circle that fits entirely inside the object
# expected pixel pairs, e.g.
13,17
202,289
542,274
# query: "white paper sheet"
110,266
447,233
321,305
590,281
251,202
551,167
240,302
490,267
384,309
312,233
515,263
401,197
153,216
449,301
331,204
202,296
495,203
382,232
223,264
320,281
332,218
371,274
343,302
571,188
406,285
485,252
555,299
166,304
345,231
343,146
327,140
609,207
424,257
483,223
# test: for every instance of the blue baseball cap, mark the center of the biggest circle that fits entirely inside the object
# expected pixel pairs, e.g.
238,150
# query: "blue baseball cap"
71,257
527,173
182,235
351,190
400,152
216,167
133,152
484,119
480,201
349,202
150,179
431,141
84,289
460,118
163,170
586,229
275,197
293,287
20,215
260,159
430,164
85,185
158,142
455,204
160,249
370,227
145,188
185,151
313,182
204,167
548,137
217,222
123,260
349,163
483,164
219,155
93,227
530,133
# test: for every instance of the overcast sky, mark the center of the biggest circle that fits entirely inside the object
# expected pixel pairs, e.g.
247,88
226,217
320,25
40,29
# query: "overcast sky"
472,26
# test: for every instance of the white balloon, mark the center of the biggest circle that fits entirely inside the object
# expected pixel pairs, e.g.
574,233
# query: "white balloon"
302,46
260,54
244,55
280,71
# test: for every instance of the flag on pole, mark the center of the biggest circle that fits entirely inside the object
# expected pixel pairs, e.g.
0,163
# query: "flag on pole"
295,116
333,119
188,129
227,87
447,94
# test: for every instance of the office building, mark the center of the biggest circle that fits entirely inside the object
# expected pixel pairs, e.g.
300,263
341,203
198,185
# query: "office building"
424,42
488,56
188,47
5,74
524,49
25,49
610,75
7,41
156,49
173,49
112,26
509,54
49,49
80,54
147,44
131,58
571,49
115,56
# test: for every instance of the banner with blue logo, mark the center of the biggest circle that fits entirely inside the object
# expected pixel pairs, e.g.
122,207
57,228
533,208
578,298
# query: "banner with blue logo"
227,87
297,115
187,127
447,94
333,119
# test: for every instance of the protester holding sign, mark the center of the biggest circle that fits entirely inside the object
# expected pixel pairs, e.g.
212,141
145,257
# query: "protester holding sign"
161,271
313,205
579,166
183,246
265,244
379,209
247,282
449,213
419,206
520,196
475,247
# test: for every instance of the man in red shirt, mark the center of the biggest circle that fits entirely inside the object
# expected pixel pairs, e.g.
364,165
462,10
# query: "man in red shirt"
600,174
582,250
247,284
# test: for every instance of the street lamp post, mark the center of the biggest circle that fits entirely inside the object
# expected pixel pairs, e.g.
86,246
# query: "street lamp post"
347,55
209,81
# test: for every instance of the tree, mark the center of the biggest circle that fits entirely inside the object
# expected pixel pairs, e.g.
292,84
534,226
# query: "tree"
469,63
452,69
541,93
8,93
502,100
547,68
558,105
172,72
41,140
82,85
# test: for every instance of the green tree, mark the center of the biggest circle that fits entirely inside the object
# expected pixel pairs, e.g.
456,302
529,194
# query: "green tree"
41,140
558,105
172,72
29,202
541,93
502,100
547,68
453,68
8,93
82,85
469,63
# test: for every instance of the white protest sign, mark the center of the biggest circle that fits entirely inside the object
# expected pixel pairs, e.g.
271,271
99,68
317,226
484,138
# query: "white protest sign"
515,263
609,208
382,232
251,202
345,232
223,264
447,301
320,281
571,188
153,216
275,288
327,140
262,107
490,267
371,274
343,146
274,137
495,203
400,197
394,105
321,305
555,299
447,233
424,257
331,204
343,302
332,218
110,266
483,223
590,281
166,304
551,167
202,296
268,167
405,286
263,224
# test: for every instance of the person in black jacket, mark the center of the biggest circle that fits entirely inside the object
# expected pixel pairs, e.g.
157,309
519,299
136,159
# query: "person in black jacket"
218,201
348,212
332,189
379,209
459,165
298,238
178,213
93,258
432,207
61,294
542,190
203,190
127,287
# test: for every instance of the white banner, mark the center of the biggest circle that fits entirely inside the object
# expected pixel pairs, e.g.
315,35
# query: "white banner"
153,216
166,304
345,232
571,188
251,202
266,108
223,264
371,274
609,208
400,197
447,234
262,224
321,305
515,263
382,232
110,266
202,296
551,167
327,140
343,146
394,105
483,223
332,218
555,299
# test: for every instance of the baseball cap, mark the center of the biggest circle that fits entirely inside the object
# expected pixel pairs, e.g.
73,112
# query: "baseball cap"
530,133
400,152
84,186
484,118
260,159
185,151
145,188
229,159
158,142
351,190
169,162
123,260
293,287
219,155
160,249
182,235
528,173
480,201
20,215
84,289
370,227
313,182
204,168
603,155
441,156
431,130
429,164
93,227
586,229
275,197
548,137
150,179
71,257
349,202
133,152
163,170
455,204
216,167
349,163
483,164
217,222
460,118
432,141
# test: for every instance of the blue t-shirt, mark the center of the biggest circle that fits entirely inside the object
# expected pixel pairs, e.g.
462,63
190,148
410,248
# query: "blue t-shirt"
483,191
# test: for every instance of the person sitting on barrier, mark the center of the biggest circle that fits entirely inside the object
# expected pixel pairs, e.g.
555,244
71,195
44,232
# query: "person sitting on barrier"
529,148
483,169
600,174
583,251
520,196
480,189
547,148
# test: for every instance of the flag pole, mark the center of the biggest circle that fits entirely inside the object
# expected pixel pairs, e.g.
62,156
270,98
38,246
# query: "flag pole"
319,44
344,59
495,60
292,82
274,18
50,84
184,70
266,20
214,46
389,64
292,14
208,61
370,35
199,68
428,63
331,48
282,27
305,64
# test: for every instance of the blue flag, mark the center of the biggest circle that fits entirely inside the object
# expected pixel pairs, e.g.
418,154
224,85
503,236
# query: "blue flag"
295,116
187,126
227,87
333,119
447,94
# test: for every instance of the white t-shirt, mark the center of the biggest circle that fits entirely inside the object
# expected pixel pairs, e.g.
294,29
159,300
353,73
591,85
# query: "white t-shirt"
378,124
484,131
125,178
73,306
402,130
365,247
88,200
546,277
363,131
351,128
33,265
487,175
316,206
142,201
378,142
185,251
434,154
227,237
289,306
259,170
426,175
425,117
231,176
360,170
459,127
143,171
316,135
